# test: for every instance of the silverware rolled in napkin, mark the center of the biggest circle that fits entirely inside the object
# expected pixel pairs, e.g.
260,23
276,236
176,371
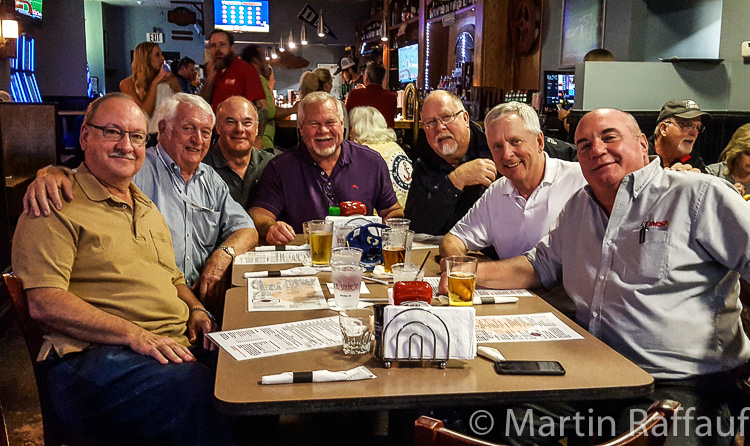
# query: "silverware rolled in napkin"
304,247
319,376
296,271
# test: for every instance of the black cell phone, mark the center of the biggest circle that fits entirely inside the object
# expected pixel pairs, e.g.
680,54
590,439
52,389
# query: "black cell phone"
529,368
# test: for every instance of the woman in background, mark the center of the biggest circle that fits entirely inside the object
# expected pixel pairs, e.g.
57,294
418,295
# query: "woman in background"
320,79
150,83
734,161
368,127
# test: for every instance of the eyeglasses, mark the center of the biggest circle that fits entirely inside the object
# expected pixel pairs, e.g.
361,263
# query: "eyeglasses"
432,123
112,133
234,123
687,127
317,125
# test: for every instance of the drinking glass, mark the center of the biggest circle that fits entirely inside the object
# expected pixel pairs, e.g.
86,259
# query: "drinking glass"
346,255
396,247
347,279
321,235
356,327
462,279
398,223
340,231
404,272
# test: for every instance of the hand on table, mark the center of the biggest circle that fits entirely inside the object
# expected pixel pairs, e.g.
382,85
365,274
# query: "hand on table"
280,233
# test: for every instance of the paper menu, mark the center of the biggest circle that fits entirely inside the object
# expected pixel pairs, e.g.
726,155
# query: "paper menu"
285,294
273,258
523,328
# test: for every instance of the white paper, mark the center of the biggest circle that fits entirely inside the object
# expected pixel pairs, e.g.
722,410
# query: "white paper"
362,289
290,272
272,257
279,339
498,296
523,328
285,294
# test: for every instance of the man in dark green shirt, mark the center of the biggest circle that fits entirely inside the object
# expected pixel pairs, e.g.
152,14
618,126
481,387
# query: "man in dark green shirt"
233,156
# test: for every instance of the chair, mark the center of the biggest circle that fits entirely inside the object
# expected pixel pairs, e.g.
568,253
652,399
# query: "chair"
431,432
54,431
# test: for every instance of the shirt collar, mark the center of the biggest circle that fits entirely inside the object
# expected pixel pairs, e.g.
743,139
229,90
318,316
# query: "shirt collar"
643,176
169,163
95,191
217,157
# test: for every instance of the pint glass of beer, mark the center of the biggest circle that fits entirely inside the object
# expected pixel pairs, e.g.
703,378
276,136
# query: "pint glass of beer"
321,236
396,246
462,279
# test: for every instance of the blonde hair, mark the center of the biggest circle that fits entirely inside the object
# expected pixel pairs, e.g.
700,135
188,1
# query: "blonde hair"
143,74
317,97
314,81
738,145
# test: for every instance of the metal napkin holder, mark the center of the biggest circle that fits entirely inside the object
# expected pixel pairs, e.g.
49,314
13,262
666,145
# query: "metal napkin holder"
399,326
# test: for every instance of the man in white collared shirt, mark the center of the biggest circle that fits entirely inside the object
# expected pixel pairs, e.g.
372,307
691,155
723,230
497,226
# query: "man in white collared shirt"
519,209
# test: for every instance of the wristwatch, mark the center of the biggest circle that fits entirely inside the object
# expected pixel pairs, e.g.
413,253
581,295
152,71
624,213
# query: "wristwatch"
228,249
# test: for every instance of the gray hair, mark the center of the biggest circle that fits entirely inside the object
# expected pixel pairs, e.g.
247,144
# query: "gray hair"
317,97
168,108
525,112
369,126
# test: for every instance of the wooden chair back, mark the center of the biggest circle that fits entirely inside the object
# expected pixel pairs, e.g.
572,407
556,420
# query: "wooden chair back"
431,432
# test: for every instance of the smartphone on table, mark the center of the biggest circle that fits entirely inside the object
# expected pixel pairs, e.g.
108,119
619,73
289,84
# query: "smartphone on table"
529,368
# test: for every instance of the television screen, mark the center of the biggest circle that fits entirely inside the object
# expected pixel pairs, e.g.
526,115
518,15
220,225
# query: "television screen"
30,8
241,16
560,87
408,63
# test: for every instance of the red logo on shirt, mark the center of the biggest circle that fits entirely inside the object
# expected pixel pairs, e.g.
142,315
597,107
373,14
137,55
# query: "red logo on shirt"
354,186
658,224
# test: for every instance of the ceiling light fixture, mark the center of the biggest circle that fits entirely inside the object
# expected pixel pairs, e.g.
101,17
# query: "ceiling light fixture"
321,28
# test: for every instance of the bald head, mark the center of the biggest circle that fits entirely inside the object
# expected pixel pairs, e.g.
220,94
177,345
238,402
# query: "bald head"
610,146
446,125
237,126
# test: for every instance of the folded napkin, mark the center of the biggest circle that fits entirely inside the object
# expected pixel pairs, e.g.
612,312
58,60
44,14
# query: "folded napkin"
296,271
490,353
319,376
459,322
304,247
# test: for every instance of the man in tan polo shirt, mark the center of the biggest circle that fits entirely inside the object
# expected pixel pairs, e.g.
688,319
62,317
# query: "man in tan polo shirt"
101,278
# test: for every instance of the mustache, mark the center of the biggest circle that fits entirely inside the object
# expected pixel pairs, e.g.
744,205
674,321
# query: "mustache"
121,154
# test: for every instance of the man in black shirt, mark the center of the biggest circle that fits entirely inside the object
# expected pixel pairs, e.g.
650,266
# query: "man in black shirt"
678,126
448,180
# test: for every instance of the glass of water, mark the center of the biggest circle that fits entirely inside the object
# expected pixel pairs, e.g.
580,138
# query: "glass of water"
347,279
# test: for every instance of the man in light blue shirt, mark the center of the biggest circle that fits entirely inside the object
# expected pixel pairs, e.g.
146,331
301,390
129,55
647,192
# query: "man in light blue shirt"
651,259
208,227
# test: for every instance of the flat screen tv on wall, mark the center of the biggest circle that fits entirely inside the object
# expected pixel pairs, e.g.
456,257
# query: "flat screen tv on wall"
241,16
29,8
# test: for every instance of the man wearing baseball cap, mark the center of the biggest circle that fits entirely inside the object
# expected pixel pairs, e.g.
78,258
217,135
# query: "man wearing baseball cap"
678,126
348,69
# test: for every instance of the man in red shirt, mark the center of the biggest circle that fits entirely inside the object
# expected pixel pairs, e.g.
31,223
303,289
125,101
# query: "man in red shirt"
374,94
228,75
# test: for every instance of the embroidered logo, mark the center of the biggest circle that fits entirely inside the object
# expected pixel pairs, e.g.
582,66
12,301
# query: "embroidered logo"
354,186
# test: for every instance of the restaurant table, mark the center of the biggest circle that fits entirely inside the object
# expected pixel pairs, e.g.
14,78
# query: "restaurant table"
593,371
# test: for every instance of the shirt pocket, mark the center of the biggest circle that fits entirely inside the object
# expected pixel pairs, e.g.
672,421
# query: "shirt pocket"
645,256
164,250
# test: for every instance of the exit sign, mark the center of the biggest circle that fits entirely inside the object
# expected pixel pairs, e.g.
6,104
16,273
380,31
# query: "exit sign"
155,37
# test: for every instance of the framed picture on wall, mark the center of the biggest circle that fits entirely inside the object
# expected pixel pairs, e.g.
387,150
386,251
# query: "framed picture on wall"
582,29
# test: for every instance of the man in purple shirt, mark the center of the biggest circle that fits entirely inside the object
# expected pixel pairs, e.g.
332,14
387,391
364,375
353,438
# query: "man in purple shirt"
323,171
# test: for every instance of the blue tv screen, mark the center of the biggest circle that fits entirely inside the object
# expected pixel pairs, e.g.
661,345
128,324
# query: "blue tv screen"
241,16
408,63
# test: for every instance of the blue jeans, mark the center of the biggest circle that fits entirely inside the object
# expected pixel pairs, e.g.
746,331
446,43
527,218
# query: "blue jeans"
116,395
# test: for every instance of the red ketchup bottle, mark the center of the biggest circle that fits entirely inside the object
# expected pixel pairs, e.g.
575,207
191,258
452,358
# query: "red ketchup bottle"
349,208
412,291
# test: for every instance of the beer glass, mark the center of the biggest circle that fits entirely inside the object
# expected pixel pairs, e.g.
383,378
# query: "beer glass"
321,236
462,279
396,245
